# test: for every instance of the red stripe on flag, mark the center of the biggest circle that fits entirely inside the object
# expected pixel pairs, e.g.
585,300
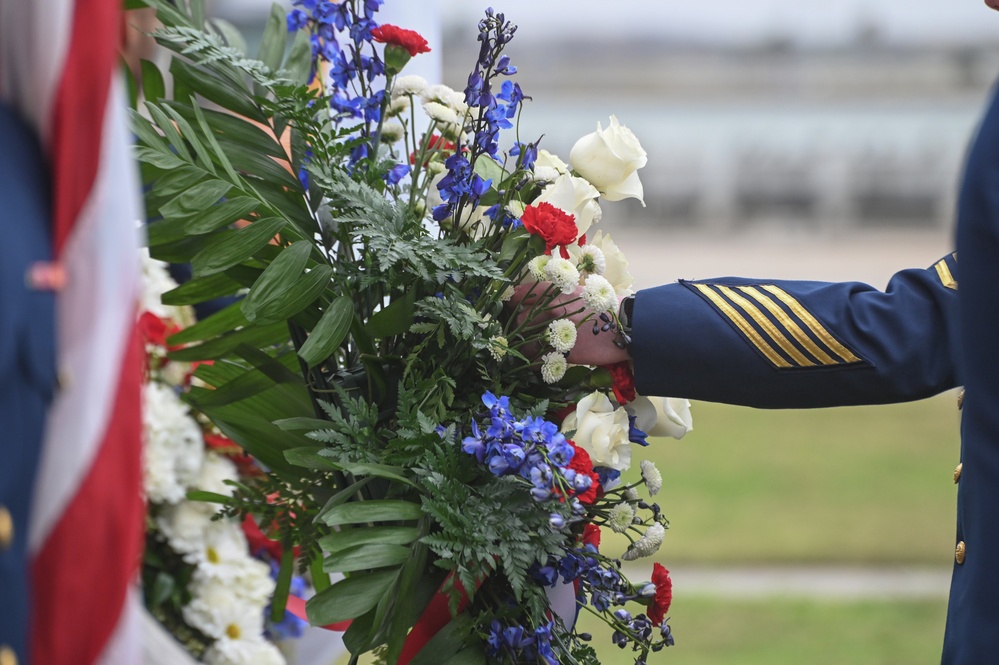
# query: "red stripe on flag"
82,573
78,112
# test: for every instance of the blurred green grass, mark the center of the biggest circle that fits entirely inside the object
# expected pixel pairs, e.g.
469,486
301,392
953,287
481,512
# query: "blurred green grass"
855,485
791,632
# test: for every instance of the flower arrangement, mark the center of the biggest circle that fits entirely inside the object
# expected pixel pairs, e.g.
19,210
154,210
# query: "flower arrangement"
200,577
423,431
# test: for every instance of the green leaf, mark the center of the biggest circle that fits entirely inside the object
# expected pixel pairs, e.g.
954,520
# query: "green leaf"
217,154
158,158
221,214
349,598
197,13
365,557
163,587
320,580
299,62
195,200
229,33
394,319
383,510
374,535
474,655
299,296
447,643
176,181
169,130
283,584
272,44
152,81
209,497
214,88
277,278
329,332
225,320
261,336
236,247
302,424
201,289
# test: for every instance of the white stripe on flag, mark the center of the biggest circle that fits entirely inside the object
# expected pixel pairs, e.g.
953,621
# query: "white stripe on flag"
96,314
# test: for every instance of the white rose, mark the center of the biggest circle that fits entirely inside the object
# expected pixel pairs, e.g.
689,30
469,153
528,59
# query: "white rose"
610,159
616,265
576,197
662,416
601,430
547,167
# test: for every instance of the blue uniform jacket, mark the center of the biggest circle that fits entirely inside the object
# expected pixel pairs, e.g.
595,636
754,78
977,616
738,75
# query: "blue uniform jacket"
27,363
792,344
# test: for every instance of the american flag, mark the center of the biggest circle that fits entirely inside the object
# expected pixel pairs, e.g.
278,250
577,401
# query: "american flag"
59,68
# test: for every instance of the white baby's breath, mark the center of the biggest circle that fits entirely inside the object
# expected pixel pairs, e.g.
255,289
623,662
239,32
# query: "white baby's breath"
562,335
620,516
553,367
647,545
599,294
653,479
562,274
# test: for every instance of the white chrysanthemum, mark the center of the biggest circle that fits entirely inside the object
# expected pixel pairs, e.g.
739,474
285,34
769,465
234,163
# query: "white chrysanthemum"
507,294
647,545
398,106
408,86
444,115
653,479
616,272
516,209
219,611
243,652
183,525
562,335
631,494
448,96
553,367
536,267
599,294
215,471
393,132
547,167
620,516
225,552
156,281
589,259
498,346
254,583
172,445
562,274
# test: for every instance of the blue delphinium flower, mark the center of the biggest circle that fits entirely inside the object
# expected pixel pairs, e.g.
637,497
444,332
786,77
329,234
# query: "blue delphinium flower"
636,435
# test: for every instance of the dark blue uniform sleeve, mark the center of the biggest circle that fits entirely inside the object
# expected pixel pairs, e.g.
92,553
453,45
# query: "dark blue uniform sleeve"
795,344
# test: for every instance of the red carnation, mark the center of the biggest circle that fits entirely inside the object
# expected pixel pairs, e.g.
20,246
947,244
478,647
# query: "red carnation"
555,226
435,142
624,382
582,464
591,535
155,330
410,40
664,594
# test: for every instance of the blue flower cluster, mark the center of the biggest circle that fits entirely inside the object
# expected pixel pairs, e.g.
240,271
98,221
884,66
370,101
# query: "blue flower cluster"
341,36
521,644
462,187
531,447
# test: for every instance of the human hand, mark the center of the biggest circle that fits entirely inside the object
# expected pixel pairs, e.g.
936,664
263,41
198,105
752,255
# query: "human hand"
594,340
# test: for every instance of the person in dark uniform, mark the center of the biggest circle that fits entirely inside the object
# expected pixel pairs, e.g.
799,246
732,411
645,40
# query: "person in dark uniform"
796,344
27,362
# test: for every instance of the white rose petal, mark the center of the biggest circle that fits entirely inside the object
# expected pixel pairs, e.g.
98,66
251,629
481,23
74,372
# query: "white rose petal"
576,197
662,416
601,430
615,264
610,159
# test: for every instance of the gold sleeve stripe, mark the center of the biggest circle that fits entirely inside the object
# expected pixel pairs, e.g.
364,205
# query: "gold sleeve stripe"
790,325
812,323
754,337
946,277
767,325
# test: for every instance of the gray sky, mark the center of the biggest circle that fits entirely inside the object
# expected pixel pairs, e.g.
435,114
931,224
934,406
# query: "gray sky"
807,21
